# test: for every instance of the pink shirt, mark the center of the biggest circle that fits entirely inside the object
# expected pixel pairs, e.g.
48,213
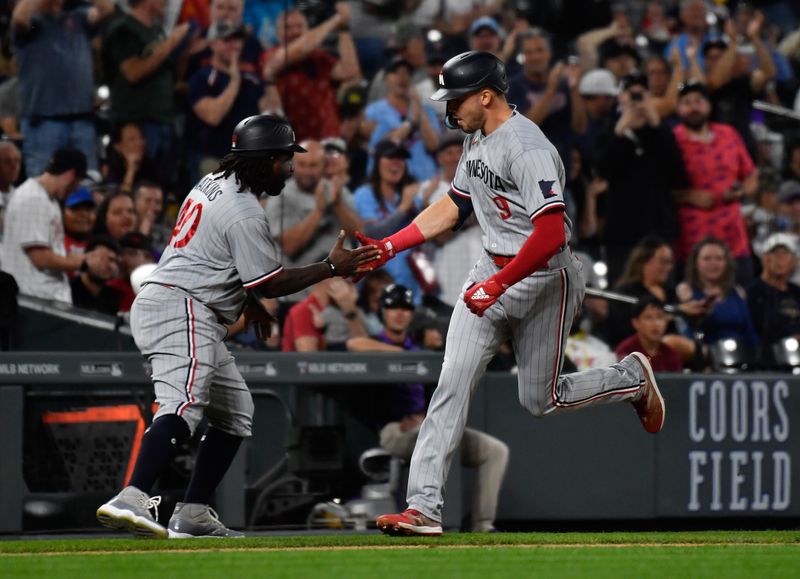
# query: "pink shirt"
713,166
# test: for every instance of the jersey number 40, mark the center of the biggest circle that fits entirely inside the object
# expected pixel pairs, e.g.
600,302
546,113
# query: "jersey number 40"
186,226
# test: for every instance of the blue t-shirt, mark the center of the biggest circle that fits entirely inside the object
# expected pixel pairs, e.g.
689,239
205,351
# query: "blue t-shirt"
262,17
682,42
421,165
730,318
54,59
370,211
210,82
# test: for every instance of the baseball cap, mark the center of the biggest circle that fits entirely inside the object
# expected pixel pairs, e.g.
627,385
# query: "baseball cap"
485,22
225,29
693,85
712,44
435,56
389,148
352,100
598,82
80,197
67,159
135,240
396,62
334,144
612,48
777,240
639,307
449,139
789,191
634,78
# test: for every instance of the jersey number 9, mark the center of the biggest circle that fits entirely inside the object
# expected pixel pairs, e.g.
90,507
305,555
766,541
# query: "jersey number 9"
502,205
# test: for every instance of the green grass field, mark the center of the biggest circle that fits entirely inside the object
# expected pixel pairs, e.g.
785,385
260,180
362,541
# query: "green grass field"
687,555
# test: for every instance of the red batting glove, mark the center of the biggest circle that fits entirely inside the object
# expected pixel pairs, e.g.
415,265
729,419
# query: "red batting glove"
480,296
387,253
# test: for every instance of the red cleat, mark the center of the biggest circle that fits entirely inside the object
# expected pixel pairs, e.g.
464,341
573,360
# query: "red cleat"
409,522
650,405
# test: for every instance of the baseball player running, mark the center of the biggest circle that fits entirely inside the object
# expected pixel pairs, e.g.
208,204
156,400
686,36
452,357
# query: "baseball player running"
220,261
526,287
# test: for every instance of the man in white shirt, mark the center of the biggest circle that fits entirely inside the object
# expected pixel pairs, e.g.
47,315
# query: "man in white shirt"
33,247
10,165
456,251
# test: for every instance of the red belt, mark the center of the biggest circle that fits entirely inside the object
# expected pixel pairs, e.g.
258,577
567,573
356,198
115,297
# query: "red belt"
501,260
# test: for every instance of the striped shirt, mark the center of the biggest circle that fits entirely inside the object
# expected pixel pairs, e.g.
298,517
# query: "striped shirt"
511,176
220,247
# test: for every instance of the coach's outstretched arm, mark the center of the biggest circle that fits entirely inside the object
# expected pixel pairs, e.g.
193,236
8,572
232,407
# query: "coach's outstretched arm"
340,262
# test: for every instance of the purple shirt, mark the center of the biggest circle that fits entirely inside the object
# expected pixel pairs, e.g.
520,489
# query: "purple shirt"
400,400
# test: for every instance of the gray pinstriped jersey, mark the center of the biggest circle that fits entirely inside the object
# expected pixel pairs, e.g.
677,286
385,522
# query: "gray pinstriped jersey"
221,246
511,176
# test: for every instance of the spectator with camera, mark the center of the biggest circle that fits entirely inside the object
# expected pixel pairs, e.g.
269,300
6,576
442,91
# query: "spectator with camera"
397,410
227,13
135,250
642,165
710,279
90,289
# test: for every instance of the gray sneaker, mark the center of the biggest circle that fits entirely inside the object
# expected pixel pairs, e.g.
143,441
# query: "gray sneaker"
130,511
192,520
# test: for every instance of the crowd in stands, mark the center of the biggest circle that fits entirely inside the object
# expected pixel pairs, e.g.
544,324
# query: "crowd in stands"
678,122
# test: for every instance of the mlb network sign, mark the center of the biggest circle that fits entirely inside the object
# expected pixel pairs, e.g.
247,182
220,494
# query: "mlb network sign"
735,455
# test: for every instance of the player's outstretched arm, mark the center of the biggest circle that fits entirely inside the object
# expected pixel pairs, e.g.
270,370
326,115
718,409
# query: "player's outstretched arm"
437,218
340,262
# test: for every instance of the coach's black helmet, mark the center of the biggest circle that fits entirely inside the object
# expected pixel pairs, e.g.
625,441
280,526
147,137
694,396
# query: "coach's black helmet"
469,72
260,134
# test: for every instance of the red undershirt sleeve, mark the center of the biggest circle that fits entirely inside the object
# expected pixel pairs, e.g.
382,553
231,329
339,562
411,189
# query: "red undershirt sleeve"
547,239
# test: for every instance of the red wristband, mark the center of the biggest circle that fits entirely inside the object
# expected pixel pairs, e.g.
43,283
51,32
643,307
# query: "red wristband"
409,236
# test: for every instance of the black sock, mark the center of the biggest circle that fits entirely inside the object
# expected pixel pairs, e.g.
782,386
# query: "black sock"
159,445
214,457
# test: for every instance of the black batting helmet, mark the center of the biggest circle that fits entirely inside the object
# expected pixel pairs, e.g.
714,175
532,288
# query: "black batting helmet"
260,134
396,296
469,72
